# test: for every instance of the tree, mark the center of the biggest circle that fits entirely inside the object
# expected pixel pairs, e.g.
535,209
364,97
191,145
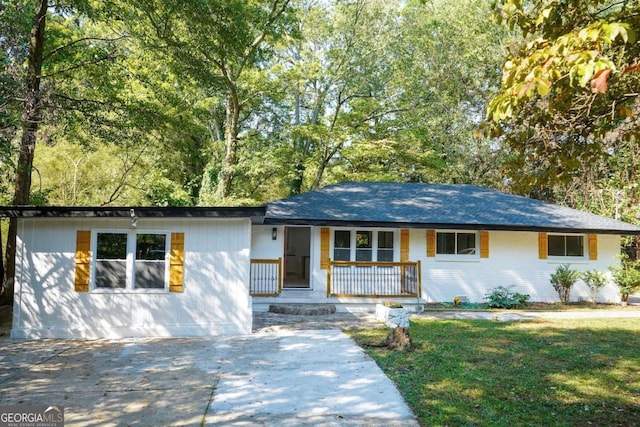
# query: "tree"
215,44
390,91
31,117
570,94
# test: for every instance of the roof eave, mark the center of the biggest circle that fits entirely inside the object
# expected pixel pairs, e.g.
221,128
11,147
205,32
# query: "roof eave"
129,212
447,226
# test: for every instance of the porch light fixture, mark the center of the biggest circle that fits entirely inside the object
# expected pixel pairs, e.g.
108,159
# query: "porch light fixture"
134,218
274,233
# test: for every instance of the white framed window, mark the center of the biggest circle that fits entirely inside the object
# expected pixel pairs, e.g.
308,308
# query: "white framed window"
385,246
565,245
130,260
454,243
342,245
364,245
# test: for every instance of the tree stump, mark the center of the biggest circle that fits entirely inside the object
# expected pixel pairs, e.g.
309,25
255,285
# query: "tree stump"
399,339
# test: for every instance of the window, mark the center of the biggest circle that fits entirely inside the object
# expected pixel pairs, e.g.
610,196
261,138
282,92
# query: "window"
150,261
111,260
565,245
342,246
130,260
455,243
363,245
385,246
364,249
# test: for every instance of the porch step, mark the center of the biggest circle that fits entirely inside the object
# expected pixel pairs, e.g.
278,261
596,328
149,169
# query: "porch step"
303,309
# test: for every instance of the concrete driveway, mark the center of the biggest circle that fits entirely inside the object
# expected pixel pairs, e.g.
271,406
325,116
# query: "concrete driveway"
281,378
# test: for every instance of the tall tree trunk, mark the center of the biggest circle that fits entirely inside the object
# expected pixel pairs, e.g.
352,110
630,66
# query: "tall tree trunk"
231,144
299,168
31,117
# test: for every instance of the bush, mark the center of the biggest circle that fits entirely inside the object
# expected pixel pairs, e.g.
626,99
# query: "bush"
595,280
503,297
627,277
563,280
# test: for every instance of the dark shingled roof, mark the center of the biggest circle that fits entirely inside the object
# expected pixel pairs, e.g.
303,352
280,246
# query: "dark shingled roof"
438,206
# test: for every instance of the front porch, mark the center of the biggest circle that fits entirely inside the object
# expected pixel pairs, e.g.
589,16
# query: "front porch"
350,286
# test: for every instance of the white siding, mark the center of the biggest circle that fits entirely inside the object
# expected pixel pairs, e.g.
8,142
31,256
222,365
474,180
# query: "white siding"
513,260
262,244
215,300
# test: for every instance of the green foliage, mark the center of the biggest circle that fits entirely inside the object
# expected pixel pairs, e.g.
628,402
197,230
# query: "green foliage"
504,297
318,93
595,280
566,111
627,277
563,280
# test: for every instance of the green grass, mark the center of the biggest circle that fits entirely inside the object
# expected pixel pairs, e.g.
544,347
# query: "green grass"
539,373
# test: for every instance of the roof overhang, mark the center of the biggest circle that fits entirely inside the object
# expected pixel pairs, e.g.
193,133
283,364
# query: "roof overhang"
255,213
446,226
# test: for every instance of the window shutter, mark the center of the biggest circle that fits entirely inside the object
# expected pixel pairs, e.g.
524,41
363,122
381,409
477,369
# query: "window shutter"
83,261
593,247
404,245
176,263
431,243
325,235
542,245
484,244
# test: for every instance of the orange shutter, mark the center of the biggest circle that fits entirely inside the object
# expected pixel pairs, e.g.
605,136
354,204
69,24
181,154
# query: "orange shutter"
404,245
593,247
484,244
431,243
325,236
176,263
83,261
542,245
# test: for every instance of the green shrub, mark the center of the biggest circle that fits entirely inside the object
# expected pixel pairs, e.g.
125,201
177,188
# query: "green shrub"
627,277
563,280
503,297
595,280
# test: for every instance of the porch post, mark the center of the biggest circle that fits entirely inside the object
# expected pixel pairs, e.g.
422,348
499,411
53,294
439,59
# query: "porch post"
419,279
328,277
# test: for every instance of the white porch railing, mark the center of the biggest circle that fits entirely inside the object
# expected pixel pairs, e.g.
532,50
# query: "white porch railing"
373,279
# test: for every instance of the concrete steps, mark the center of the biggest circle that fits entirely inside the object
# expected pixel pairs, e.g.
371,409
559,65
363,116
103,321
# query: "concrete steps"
303,309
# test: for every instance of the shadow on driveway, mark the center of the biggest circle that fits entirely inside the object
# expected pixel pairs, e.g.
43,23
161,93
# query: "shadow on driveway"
281,378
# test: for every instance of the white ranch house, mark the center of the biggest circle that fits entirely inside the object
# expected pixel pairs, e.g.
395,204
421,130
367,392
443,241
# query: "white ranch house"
120,272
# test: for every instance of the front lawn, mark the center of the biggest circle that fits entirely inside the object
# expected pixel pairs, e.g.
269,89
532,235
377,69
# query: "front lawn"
537,373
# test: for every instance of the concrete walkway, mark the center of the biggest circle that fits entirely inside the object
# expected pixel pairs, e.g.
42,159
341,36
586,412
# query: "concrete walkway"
506,315
294,371
282,378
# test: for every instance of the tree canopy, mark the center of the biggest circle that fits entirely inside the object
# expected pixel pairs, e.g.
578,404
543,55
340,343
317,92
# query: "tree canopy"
569,102
218,102
238,102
